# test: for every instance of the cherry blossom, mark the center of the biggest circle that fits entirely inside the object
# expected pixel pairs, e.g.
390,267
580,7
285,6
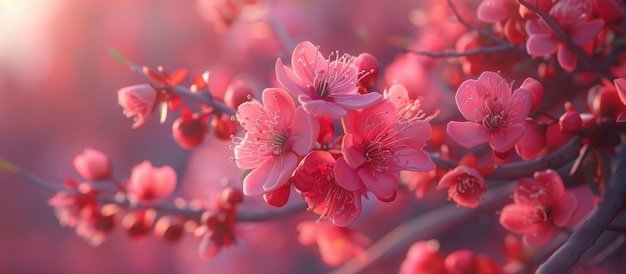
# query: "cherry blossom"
277,133
494,114
465,186
376,147
326,197
540,205
150,185
93,164
324,87
336,244
574,16
423,257
138,102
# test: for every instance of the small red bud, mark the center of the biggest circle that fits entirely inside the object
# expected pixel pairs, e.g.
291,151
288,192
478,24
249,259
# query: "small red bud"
570,122
170,228
237,93
189,129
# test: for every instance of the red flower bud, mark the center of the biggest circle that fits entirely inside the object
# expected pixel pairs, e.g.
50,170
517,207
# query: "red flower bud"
189,129
237,93
570,122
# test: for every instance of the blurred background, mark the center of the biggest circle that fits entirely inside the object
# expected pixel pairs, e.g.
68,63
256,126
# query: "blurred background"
58,95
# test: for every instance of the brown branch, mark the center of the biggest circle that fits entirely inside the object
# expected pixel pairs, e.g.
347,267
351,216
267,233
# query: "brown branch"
483,50
555,160
427,226
596,223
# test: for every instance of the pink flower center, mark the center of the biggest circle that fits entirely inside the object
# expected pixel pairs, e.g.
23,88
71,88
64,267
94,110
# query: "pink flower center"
467,185
266,136
382,151
331,195
540,214
337,75
494,113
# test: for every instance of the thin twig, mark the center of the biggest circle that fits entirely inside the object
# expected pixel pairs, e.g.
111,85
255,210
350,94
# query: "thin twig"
554,160
585,236
482,50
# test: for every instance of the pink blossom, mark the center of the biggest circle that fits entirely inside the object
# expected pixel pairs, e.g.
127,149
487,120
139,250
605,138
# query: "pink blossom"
423,257
494,114
465,186
573,16
93,164
539,205
315,179
149,185
138,101
336,244
466,261
408,109
376,147
533,141
277,133
324,87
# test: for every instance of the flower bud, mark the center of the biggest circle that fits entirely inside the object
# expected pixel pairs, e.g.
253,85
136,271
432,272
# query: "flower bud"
461,261
170,228
237,93
607,103
149,185
138,101
368,70
189,129
93,165
230,197
278,197
224,127
138,223
570,122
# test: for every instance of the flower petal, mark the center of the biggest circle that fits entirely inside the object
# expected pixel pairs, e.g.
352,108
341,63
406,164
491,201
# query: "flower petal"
564,210
304,130
539,237
467,134
381,184
504,139
270,175
514,218
620,85
288,79
345,176
321,108
493,11
357,101
585,32
567,59
541,44
278,101
352,151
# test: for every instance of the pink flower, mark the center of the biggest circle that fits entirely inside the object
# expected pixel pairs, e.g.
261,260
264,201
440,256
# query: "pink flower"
573,16
315,179
138,101
495,115
539,205
465,261
277,133
336,244
423,257
93,165
149,185
324,87
376,147
465,186
408,109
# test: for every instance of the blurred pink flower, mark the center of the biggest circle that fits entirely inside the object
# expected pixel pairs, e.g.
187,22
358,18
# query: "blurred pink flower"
495,115
277,133
315,179
574,16
376,147
466,261
336,244
138,101
465,186
423,257
149,185
324,87
539,205
533,141
93,165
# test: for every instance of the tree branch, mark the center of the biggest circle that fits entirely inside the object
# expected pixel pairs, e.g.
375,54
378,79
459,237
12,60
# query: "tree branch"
585,236
516,170
427,226
483,50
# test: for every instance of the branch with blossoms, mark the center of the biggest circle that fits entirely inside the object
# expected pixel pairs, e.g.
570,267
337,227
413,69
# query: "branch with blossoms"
349,145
